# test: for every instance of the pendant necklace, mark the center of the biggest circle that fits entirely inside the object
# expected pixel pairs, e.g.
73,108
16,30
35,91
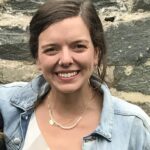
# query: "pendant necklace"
53,122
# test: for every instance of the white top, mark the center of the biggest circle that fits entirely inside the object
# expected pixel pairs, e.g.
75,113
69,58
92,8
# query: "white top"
34,139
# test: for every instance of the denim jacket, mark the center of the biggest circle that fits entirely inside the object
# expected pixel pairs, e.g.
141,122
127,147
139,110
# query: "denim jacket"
123,126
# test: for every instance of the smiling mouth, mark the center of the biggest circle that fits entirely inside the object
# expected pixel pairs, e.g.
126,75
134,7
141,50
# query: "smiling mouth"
67,74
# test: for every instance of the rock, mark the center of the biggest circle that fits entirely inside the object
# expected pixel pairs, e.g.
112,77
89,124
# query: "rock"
125,5
12,34
138,79
23,6
128,42
104,3
3,1
17,51
11,71
14,41
134,97
134,5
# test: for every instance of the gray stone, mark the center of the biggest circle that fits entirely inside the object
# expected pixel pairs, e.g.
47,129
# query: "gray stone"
13,72
23,6
17,51
137,81
128,42
134,5
13,44
12,34
104,3
125,5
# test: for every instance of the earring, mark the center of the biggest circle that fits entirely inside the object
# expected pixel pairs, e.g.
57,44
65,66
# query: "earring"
98,70
89,82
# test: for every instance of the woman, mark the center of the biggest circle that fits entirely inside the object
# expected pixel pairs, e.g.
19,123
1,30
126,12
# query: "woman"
67,107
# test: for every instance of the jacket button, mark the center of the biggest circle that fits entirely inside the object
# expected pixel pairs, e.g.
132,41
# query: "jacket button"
25,117
17,141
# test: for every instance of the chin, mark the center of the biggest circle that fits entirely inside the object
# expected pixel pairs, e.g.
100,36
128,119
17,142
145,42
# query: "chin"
68,89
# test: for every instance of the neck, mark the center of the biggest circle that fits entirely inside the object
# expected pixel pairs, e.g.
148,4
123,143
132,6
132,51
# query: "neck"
72,104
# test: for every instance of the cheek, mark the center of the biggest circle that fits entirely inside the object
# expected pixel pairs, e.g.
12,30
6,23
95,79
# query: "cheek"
88,58
86,61
45,63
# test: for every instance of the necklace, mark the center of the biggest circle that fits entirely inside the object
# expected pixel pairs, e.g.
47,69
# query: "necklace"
52,121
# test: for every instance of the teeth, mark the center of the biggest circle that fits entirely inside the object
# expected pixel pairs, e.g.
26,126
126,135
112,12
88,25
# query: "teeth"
67,75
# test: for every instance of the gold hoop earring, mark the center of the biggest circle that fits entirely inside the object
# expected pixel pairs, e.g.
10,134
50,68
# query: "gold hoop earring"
98,70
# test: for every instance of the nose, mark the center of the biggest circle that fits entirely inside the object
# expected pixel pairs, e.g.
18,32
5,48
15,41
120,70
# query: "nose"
66,58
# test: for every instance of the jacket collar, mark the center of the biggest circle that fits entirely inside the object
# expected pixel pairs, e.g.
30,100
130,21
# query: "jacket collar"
26,97
107,115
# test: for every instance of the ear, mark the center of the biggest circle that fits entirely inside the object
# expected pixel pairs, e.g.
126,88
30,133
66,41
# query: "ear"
96,55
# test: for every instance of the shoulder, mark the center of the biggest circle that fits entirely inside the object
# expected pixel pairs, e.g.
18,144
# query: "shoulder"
125,109
134,121
7,90
22,94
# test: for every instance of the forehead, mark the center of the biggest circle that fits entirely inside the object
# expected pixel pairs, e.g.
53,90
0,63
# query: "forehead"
72,27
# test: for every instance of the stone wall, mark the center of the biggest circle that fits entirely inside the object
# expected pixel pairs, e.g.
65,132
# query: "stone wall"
127,28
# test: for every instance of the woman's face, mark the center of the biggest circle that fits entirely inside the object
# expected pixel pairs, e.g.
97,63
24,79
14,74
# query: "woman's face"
66,55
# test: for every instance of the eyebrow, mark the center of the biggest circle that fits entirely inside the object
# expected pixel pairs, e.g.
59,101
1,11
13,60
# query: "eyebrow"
48,45
80,41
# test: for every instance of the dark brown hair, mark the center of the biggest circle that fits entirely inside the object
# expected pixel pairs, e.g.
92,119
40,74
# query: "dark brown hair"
56,10
2,143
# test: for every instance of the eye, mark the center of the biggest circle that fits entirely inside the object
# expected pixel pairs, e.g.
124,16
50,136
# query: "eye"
51,50
79,47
